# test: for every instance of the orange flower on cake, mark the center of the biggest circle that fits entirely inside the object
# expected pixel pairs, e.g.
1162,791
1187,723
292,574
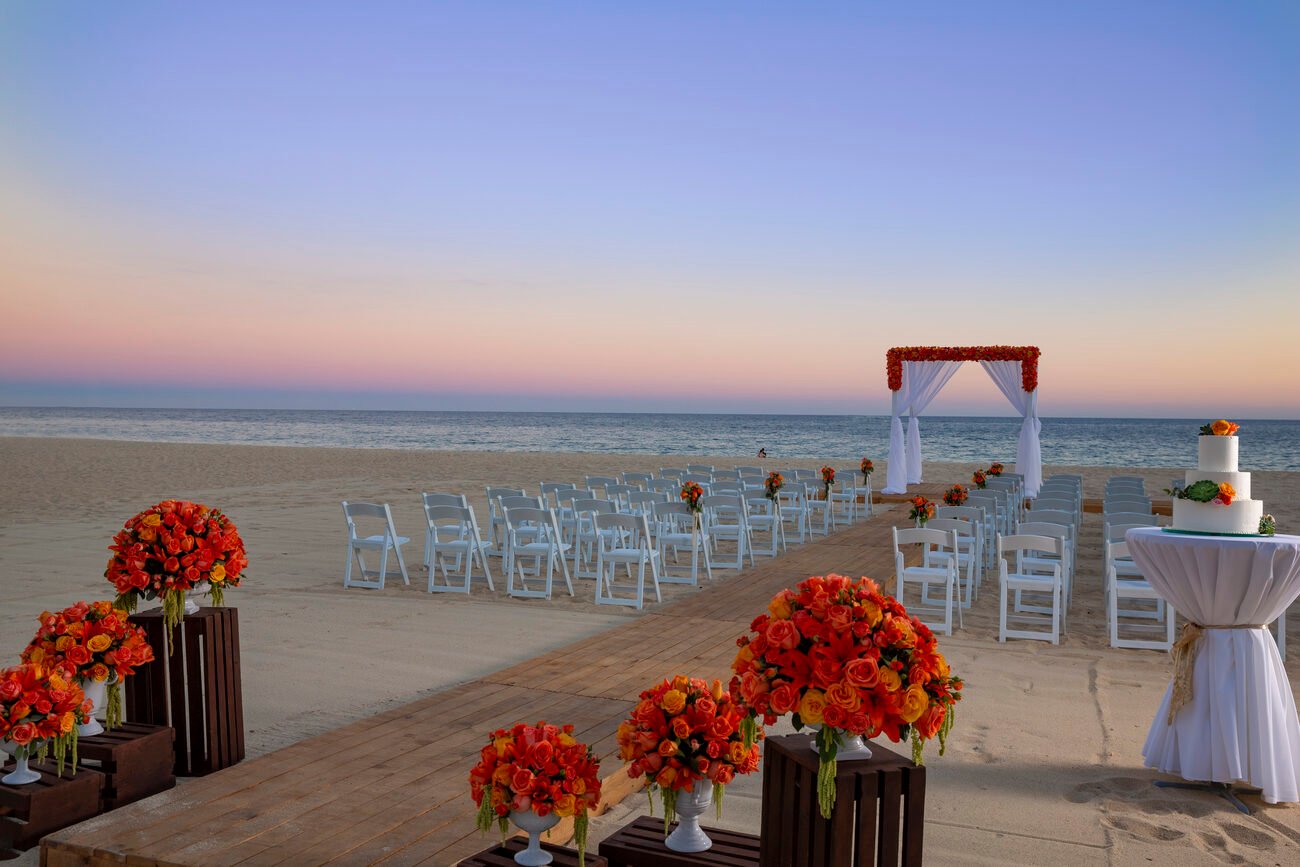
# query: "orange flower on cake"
1220,428
1225,495
838,653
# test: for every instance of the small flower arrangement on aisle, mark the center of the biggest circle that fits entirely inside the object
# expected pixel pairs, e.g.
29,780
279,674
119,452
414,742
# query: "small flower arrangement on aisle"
94,645
172,549
684,736
692,493
828,480
955,496
1220,428
979,479
867,469
995,469
538,771
841,654
40,709
922,510
773,484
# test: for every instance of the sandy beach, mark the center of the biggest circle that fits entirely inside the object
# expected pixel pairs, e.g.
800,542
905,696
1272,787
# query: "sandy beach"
1044,765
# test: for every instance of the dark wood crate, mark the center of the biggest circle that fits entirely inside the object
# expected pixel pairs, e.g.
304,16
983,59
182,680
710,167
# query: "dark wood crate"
641,844
503,855
879,814
29,812
135,759
195,688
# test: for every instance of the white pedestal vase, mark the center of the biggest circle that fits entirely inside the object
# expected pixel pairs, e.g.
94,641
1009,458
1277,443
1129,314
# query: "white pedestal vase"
689,806
534,825
96,692
848,748
192,607
22,774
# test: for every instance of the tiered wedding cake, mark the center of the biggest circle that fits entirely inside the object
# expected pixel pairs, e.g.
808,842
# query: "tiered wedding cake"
1216,495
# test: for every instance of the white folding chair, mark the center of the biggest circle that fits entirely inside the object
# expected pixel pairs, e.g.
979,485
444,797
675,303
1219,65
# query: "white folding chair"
430,499
792,504
677,529
533,532
624,540
641,480
968,553
819,509
454,530
497,519
671,473
1044,562
601,483
935,569
844,498
383,542
671,487
700,469
726,518
1017,579
1132,585
765,517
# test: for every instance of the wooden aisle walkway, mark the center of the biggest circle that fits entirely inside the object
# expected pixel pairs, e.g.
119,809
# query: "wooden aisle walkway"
392,789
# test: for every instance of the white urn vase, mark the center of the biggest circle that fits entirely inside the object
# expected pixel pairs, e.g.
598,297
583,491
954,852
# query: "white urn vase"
534,825
689,836
848,748
192,607
21,775
96,692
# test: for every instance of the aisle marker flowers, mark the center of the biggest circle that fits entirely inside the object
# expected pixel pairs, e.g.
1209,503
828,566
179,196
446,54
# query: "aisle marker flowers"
40,705
773,484
91,642
691,495
683,732
979,479
541,769
954,496
828,479
922,509
169,549
868,467
841,654
995,469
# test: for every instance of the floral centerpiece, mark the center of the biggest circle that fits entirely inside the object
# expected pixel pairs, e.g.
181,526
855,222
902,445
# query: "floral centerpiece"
1220,428
922,510
828,479
1204,491
955,496
540,771
979,479
685,737
773,484
171,549
867,468
692,493
40,709
995,469
93,644
841,654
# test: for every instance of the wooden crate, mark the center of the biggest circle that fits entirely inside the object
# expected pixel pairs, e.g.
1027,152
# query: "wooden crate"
29,812
195,688
879,812
641,844
503,855
135,759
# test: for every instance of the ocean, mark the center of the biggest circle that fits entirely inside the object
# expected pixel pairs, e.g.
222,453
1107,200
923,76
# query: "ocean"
1265,445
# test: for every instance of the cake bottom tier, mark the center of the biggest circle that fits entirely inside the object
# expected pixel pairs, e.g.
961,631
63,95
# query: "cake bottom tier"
1242,516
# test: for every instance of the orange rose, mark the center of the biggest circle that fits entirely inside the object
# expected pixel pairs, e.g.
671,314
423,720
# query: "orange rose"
1222,428
780,607
843,695
810,709
890,680
862,673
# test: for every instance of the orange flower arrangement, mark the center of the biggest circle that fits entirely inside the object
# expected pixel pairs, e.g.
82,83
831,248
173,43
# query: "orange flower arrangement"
540,769
691,495
91,642
954,496
868,467
979,479
828,479
1220,428
169,549
840,653
774,482
1026,355
923,510
995,469
683,732
40,705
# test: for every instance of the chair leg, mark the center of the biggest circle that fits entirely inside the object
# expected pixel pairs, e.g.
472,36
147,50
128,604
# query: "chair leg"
1002,611
564,570
347,567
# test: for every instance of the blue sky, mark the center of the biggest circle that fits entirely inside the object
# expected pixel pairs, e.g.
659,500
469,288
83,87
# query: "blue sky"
615,205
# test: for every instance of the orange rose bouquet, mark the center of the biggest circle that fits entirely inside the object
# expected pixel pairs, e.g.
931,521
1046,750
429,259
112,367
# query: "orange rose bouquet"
954,496
995,469
841,654
540,770
1220,428
95,645
867,467
683,734
692,493
979,479
40,709
172,549
923,510
774,482
828,479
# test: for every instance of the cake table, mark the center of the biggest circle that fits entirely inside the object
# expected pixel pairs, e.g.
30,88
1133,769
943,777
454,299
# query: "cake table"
1239,723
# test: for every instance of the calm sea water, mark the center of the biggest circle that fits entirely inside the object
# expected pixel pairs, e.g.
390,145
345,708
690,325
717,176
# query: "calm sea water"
1266,445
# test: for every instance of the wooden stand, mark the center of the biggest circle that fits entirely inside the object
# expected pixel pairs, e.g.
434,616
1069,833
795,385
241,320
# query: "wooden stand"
135,759
195,689
879,812
641,844
504,855
29,812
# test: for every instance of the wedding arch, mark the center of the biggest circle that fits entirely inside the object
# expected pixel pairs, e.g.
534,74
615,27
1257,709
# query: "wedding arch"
917,373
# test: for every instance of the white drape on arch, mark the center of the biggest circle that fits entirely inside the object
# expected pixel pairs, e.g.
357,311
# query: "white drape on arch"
922,381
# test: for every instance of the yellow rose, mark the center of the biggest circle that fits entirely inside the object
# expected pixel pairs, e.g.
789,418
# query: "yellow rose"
566,805
915,701
743,656
681,682
810,709
35,656
579,786
67,722
63,642
99,672
780,608
565,740
99,643
872,611
890,679
153,519
717,690
218,574
674,701
942,665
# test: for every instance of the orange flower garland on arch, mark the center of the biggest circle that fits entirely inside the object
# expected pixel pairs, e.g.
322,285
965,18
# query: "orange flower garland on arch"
1026,355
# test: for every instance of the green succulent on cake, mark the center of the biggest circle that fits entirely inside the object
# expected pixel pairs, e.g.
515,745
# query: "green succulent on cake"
1267,525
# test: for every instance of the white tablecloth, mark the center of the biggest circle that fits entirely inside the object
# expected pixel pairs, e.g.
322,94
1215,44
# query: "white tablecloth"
1240,724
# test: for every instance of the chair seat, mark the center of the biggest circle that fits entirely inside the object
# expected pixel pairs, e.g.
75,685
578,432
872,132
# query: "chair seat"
379,541
925,574
1022,581
630,555
531,549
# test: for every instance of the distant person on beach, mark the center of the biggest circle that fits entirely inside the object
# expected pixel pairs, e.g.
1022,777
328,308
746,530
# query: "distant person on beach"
762,453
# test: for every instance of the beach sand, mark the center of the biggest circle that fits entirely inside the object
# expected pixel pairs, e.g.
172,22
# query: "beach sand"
1044,765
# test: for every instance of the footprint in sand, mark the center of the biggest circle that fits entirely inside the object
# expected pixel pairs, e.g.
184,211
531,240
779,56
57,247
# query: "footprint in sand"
1085,792
1142,830
1255,838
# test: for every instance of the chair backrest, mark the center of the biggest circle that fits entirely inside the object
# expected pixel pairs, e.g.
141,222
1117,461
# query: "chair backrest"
1049,504
642,479
494,495
1053,516
726,474
803,474
699,479
671,473
1131,519
1029,542
759,504
569,495
751,471
523,516
666,486
966,513
601,481
594,504
723,503
1136,479
733,487
924,536
672,507
434,499
643,502
522,502
959,526
620,492
461,515
1043,528
366,510
704,469
1118,532
615,521
550,490
1125,504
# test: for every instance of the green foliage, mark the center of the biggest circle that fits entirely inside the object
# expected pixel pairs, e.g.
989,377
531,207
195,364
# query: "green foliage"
1201,492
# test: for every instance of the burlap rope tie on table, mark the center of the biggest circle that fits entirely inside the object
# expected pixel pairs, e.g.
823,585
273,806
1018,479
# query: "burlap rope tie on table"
1184,654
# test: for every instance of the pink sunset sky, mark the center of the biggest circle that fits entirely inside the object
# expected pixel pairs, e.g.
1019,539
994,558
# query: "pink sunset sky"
433,210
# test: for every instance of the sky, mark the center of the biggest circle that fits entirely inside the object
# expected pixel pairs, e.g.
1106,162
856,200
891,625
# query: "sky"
653,206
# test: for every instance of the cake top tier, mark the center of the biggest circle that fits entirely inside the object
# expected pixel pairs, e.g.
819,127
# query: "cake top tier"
1217,454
